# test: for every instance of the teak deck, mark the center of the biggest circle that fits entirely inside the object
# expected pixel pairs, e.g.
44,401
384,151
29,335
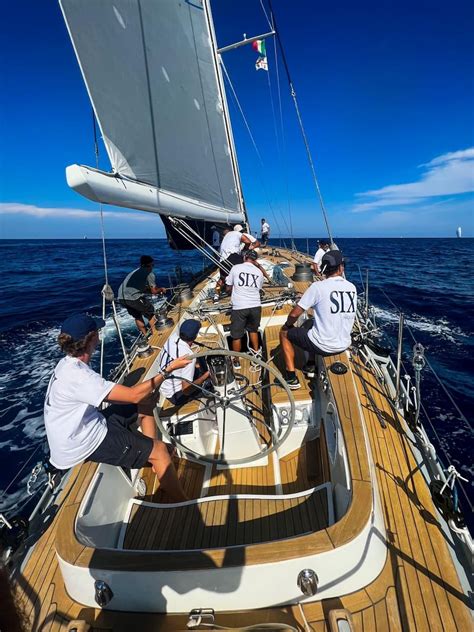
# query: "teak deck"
417,590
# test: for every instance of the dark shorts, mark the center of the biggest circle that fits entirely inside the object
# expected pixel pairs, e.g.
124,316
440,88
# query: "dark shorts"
242,320
232,260
299,337
123,444
139,308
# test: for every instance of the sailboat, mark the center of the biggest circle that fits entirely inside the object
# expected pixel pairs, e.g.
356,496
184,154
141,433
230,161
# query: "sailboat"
459,232
325,508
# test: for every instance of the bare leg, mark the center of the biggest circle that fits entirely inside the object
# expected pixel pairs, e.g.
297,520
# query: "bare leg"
141,325
288,351
152,322
148,425
253,335
237,344
163,467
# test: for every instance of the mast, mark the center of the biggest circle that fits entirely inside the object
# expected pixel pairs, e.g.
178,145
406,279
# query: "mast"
228,124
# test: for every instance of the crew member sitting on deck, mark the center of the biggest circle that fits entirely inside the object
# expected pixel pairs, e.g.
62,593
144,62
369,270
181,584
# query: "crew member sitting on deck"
178,388
245,280
132,294
78,431
324,246
334,303
230,254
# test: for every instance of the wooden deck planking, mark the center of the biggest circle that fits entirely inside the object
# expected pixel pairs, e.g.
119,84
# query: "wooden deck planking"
250,516
390,594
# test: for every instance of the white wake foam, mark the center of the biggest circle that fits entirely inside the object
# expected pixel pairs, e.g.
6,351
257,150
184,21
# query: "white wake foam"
440,327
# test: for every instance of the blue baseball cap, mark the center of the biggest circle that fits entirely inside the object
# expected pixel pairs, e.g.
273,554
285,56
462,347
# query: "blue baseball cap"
79,325
190,329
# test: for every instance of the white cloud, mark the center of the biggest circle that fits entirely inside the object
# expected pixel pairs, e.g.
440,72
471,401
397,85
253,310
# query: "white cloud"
448,174
16,208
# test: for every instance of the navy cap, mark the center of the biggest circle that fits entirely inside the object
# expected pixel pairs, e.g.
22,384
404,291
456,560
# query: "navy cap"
324,242
332,259
79,325
251,254
190,329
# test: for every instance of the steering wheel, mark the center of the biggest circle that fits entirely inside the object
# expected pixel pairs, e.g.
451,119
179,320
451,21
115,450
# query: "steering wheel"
228,401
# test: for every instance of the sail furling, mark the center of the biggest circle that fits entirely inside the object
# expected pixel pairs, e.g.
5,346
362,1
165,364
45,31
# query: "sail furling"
152,77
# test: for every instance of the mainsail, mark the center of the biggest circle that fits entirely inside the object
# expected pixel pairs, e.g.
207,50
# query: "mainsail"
152,74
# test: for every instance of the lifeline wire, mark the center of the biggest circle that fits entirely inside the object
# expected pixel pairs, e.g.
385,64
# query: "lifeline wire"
448,394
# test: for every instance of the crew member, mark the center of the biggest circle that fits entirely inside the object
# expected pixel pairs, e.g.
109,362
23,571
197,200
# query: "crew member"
245,280
178,388
334,303
78,431
265,230
133,292
216,237
230,253
324,246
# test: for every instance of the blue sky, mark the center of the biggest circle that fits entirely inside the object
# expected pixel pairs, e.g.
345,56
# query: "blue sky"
386,91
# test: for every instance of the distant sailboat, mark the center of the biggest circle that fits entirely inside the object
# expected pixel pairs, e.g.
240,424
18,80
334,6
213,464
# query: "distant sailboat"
459,232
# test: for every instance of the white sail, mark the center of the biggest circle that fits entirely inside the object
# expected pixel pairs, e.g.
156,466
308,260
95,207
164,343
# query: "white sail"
151,72
458,231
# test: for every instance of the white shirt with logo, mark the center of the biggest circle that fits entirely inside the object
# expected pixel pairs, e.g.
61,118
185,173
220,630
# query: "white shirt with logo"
246,281
74,426
230,244
174,348
265,228
334,302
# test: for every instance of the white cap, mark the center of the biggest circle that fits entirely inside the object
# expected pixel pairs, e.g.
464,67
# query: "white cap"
239,228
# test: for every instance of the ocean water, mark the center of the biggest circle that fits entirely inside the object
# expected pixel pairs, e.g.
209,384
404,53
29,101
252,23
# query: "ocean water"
44,281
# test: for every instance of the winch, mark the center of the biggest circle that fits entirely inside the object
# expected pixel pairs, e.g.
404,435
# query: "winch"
303,272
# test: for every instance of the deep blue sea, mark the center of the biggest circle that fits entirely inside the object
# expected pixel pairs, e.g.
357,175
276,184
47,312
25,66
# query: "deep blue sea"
44,281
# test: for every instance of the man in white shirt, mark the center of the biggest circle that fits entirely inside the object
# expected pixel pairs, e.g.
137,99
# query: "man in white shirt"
265,228
324,246
231,245
178,388
245,280
78,431
334,304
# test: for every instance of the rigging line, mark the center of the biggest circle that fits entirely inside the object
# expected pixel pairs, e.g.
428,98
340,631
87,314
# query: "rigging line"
438,379
283,140
300,121
255,147
15,478
266,15
447,455
104,252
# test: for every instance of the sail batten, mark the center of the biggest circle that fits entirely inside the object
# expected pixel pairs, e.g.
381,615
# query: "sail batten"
152,76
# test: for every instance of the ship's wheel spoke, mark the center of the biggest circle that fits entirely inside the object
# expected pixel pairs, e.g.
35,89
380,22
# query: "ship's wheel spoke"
230,400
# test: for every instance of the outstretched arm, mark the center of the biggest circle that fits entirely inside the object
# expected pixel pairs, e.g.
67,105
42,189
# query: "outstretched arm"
135,394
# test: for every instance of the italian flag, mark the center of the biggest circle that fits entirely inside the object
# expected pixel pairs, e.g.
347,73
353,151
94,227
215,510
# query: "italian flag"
259,46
